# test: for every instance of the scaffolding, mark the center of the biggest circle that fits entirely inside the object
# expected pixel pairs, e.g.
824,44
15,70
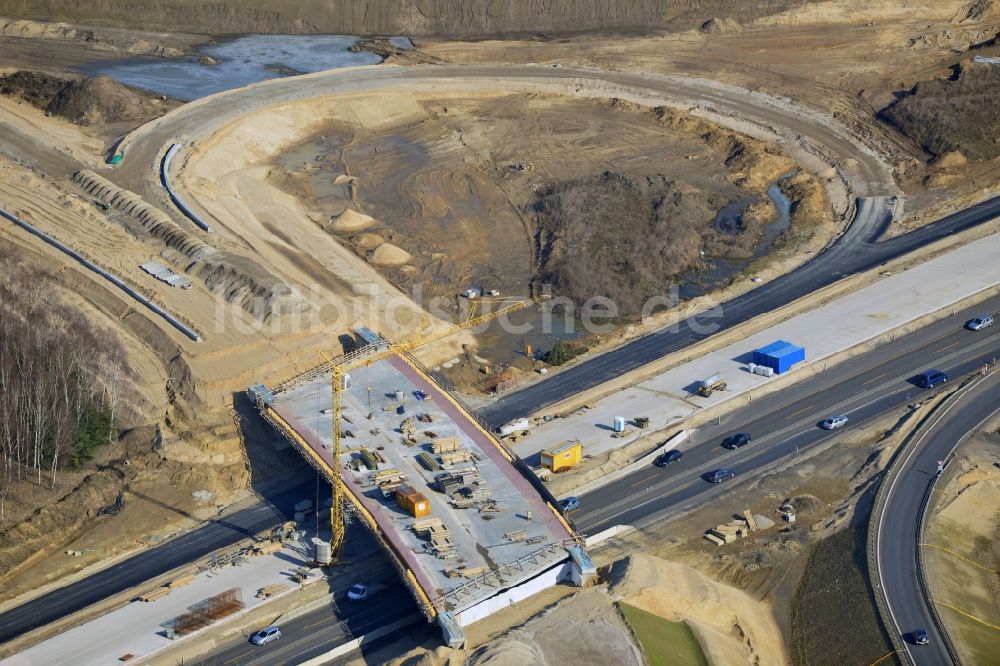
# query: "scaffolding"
208,611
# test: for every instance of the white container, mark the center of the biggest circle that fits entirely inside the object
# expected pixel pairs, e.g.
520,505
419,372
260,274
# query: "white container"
516,425
619,424
324,555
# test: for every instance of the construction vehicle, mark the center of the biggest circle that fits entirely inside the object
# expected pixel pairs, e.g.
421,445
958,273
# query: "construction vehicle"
340,381
714,383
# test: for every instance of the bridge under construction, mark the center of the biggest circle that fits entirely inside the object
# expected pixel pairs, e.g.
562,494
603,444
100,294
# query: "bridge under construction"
467,524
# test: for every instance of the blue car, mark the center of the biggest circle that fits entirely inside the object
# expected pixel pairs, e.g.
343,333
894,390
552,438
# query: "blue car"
931,378
569,503
719,475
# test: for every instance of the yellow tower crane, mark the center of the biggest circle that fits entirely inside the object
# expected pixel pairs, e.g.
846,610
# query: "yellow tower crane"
340,382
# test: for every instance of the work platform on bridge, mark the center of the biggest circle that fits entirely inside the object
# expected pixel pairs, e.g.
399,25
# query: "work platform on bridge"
494,526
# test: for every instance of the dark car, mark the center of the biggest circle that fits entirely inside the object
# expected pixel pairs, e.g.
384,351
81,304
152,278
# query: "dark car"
920,636
736,441
665,459
719,475
931,378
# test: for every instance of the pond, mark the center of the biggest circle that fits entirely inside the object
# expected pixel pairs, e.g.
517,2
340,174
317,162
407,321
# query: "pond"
241,61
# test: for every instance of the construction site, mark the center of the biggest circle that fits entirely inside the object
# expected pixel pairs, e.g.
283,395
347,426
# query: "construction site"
459,515
256,371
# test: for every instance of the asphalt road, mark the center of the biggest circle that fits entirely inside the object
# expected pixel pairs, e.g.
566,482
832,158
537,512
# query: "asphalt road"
856,251
899,529
182,550
784,424
323,629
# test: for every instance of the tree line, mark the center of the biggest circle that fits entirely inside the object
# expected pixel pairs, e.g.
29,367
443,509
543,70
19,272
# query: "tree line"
61,379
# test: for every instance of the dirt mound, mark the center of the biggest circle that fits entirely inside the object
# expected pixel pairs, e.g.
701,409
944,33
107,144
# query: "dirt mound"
351,220
243,281
717,26
754,164
36,88
388,254
508,653
730,625
809,203
98,100
88,101
623,238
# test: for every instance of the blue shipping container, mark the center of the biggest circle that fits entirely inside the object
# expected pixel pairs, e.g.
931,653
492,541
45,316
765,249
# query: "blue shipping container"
780,356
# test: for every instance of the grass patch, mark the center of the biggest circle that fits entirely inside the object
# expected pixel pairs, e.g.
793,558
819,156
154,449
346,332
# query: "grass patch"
665,643
973,589
834,617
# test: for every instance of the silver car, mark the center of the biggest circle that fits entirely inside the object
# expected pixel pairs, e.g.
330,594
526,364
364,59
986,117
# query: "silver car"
979,323
266,635
833,422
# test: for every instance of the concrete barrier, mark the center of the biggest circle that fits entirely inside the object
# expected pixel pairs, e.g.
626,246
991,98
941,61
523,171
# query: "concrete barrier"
165,178
610,533
353,644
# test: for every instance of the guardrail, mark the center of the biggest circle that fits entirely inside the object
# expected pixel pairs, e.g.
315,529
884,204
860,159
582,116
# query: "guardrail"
892,471
165,179
118,282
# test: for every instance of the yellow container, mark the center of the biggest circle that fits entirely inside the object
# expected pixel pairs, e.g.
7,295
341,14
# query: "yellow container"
413,502
566,455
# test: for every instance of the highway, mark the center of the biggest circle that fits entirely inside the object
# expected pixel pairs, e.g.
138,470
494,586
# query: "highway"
855,251
898,535
148,564
321,630
784,424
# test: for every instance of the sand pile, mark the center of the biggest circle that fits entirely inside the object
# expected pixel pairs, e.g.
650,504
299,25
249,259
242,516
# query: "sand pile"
388,254
351,220
731,626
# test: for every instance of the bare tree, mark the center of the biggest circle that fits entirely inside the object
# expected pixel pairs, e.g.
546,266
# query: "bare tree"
60,380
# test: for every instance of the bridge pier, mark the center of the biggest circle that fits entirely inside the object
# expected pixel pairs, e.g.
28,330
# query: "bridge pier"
582,570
